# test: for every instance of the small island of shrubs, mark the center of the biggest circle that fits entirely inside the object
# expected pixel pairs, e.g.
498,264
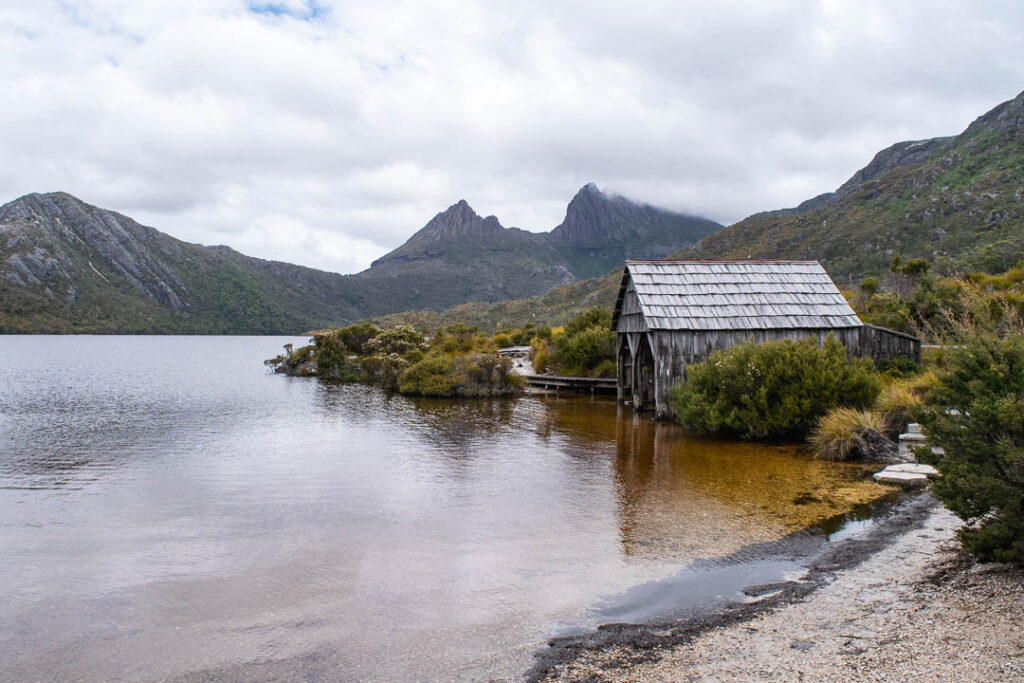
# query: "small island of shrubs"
456,360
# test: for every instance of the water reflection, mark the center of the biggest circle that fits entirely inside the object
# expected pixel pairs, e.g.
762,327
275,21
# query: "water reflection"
681,497
181,512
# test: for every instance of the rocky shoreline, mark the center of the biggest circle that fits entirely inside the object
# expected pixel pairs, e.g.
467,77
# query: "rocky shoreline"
900,602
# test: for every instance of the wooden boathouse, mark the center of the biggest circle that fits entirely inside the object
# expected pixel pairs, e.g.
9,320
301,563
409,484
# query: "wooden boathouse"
672,313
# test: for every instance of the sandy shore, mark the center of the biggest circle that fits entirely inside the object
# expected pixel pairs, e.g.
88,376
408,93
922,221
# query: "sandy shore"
905,605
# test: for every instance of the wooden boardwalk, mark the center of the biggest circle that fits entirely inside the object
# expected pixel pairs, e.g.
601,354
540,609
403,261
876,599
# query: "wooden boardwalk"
556,383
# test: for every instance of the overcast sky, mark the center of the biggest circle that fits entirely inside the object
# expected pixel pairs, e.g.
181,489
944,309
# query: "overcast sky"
326,133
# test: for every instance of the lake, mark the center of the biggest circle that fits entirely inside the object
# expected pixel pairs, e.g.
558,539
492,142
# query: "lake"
170,510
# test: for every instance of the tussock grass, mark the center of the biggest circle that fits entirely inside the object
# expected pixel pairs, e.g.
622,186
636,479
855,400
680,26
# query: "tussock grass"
839,434
897,404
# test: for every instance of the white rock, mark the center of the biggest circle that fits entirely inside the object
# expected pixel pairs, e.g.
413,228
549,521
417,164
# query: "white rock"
914,468
904,479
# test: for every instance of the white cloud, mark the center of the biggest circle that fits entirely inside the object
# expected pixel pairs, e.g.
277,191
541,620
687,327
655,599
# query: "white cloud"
325,133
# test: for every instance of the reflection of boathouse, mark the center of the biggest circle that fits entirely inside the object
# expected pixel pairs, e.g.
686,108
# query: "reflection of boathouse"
671,313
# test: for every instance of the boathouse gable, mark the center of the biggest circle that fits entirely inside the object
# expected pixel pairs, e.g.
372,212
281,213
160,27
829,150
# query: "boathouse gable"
669,314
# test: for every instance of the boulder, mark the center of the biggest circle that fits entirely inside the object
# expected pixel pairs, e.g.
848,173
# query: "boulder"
904,479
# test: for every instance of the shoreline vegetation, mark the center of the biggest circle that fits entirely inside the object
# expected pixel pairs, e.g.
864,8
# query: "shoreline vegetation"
456,360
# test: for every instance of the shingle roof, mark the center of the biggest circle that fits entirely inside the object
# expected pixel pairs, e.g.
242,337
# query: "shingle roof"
736,295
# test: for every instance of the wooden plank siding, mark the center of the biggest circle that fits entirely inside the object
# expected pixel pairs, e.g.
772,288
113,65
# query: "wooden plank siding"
880,343
670,314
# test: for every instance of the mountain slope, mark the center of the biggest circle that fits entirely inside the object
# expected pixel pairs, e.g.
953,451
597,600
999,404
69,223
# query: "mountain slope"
956,201
67,266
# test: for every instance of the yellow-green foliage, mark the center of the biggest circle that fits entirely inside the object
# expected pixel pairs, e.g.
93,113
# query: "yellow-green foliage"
484,374
902,399
913,300
540,354
772,389
584,348
840,433
458,361
1014,277
897,404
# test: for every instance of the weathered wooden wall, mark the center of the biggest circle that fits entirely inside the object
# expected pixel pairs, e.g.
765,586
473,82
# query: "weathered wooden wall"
881,343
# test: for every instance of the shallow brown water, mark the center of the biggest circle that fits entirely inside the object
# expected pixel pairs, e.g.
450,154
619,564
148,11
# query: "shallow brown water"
169,510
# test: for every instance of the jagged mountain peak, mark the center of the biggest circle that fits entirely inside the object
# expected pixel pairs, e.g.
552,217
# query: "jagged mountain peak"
594,217
457,221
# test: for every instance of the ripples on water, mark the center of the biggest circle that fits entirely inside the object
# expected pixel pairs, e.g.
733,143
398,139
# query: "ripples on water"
169,509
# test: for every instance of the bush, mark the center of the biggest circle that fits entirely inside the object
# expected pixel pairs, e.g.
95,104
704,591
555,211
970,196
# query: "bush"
486,374
773,389
540,355
606,368
383,369
976,415
354,337
899,404
332,357
583,350
846,434
900,367
592,317
433,376
397,340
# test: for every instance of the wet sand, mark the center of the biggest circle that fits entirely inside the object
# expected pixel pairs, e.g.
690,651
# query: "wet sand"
900,603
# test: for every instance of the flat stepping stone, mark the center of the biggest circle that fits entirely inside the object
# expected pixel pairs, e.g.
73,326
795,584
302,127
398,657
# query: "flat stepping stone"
904,479
914,468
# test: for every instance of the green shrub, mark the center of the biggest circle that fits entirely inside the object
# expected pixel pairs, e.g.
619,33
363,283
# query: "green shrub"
540,355
900,367
397,340
383,369
486,374
606,368
846,433
976,415
773,389
332,360
503,340
433,376
592,317
354,337
583,350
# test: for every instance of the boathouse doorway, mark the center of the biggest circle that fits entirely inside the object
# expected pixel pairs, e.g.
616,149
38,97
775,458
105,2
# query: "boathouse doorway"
643,389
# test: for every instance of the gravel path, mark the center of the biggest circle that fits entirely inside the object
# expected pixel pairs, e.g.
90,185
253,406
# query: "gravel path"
915,611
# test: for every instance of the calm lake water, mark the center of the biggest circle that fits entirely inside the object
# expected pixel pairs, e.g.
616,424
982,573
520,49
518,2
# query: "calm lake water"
169,510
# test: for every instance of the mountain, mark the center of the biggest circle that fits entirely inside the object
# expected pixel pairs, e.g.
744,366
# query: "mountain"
459,256
956,201
600,231
67,266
